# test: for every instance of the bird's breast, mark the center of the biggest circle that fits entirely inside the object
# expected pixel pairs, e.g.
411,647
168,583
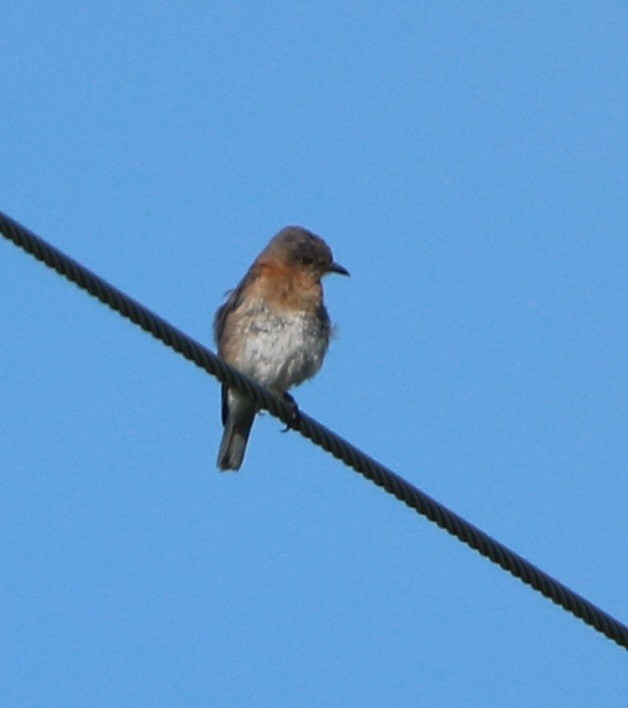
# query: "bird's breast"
280,348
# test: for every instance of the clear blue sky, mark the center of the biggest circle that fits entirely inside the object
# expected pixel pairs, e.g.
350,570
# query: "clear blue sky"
467,163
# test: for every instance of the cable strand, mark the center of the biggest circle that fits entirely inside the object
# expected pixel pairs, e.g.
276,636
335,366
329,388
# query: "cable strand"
339,448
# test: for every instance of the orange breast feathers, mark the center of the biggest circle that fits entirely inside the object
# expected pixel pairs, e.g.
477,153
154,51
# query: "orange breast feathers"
287,287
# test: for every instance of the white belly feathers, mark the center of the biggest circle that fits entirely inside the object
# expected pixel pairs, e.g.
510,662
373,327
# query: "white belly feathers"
281,351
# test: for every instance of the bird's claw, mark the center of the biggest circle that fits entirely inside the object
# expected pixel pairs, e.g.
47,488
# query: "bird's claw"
294,411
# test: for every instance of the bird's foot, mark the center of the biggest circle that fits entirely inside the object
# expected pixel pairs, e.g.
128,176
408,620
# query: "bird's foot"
294,411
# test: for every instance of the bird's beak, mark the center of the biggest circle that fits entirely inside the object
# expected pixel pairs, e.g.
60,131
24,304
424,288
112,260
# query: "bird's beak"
337,268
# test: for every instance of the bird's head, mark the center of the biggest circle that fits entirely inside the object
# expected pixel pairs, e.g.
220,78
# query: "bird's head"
300,249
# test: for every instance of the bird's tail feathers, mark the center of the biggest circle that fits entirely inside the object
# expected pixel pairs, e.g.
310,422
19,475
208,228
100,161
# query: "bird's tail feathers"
236,434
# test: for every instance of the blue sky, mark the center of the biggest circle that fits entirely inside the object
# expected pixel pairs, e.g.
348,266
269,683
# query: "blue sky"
467,164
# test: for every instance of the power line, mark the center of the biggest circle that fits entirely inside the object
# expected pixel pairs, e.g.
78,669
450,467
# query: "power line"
319,434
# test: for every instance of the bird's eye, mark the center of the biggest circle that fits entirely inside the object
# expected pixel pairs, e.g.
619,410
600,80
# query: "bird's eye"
307,260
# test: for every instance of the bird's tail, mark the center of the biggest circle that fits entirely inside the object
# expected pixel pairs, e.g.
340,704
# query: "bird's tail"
238,423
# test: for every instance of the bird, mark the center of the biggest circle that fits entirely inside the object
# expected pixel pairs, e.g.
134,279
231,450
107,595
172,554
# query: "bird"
274,327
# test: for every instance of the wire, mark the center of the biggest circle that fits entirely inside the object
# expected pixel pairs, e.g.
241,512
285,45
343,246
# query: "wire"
413,497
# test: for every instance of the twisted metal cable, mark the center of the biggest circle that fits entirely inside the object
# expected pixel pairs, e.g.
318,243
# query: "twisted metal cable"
422,503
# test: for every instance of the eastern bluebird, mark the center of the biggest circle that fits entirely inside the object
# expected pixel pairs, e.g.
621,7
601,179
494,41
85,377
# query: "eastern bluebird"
273,327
